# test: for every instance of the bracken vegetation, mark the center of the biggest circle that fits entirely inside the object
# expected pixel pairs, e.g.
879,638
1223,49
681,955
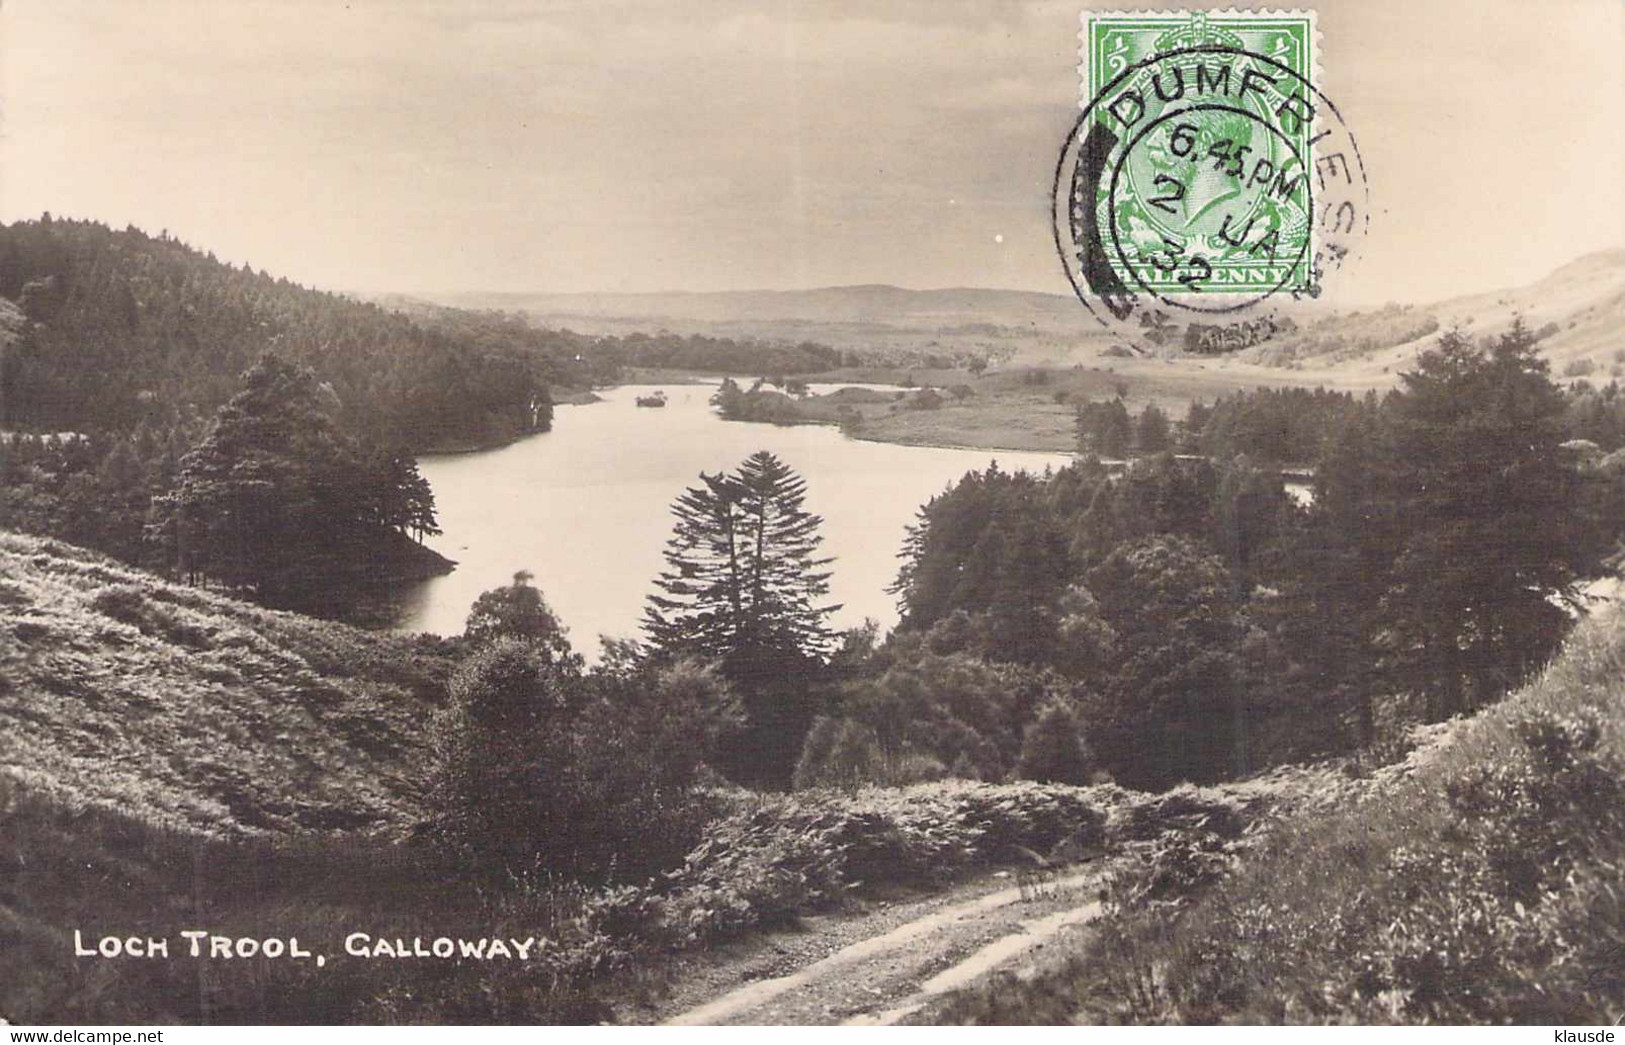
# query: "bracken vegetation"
121,691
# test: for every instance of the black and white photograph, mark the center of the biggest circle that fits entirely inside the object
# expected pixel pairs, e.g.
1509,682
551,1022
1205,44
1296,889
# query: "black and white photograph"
946,513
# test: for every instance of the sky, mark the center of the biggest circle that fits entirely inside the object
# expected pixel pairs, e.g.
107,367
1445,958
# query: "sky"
433,146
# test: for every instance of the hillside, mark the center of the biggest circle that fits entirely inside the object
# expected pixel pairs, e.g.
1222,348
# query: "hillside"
1477,883
115,331
867,303
1579,310
187,709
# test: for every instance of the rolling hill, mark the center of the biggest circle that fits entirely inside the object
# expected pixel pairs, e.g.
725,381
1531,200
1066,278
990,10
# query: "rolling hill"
1580,306
1579,311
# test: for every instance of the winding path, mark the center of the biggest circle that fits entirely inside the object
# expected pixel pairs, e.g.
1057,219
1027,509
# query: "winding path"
882,966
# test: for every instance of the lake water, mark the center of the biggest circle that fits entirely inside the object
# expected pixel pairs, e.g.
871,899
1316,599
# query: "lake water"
586,507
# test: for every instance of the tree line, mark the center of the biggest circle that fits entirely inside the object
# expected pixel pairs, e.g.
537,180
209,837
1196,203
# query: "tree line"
1282,426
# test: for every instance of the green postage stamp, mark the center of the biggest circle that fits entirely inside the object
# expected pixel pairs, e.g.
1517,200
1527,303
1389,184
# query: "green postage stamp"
1199,169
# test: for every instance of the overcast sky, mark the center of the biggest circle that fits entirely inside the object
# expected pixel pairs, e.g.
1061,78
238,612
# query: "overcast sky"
564,146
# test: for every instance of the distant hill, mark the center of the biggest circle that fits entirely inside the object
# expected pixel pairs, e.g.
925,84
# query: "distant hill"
1581,306
189,710
863,303
884,325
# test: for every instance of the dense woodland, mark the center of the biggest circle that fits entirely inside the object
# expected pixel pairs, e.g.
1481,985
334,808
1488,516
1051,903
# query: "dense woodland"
127,331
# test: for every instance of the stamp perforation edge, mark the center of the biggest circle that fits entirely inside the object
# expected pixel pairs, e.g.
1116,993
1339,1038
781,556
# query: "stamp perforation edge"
1317,38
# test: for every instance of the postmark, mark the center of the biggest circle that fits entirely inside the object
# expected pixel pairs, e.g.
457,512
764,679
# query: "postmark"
1207,178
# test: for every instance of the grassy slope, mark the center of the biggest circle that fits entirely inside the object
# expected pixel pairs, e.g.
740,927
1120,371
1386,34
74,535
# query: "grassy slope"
102,873
1479,884
172,759
180,707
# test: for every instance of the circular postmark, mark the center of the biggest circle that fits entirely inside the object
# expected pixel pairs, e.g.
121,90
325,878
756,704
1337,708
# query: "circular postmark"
1207,183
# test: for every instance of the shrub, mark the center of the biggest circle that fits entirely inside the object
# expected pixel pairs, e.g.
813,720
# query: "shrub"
534,768
773,858
496,748
955,708
838,753
519,611
124,603
636,755
1053,749
842,753
129,604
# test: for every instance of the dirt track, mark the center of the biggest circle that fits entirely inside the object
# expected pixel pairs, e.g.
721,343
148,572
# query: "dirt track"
875,966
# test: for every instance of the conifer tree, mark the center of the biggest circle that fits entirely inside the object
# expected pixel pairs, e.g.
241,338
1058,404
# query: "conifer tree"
276,498
743,573
742,587
1154,433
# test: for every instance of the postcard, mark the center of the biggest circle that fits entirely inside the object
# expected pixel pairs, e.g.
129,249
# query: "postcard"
533,513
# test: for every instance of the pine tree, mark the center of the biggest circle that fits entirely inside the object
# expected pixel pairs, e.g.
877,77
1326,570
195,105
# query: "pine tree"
1169,710
742,574
1154,431
1104,429
1032,575
1490,509
742,587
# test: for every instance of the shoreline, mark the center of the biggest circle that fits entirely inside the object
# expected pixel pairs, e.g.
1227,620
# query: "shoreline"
929,444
